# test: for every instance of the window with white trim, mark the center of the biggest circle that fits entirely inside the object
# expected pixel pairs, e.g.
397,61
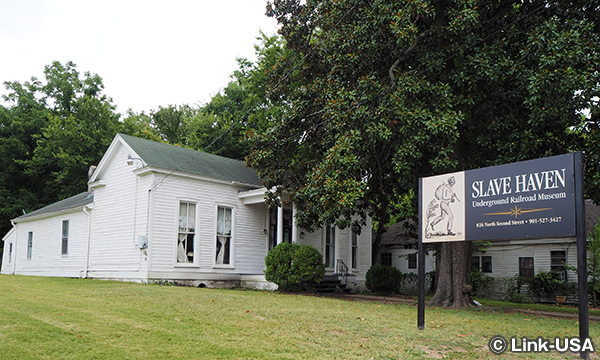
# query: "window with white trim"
526,269
29,245
65,237
354,250
481,263
223,245
186,232
558,259
486,264
10,253
412,261
330,246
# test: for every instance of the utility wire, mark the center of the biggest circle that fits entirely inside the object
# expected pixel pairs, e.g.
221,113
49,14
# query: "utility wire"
239,120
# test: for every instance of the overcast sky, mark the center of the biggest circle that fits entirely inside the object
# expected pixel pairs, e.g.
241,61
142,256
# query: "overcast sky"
148,53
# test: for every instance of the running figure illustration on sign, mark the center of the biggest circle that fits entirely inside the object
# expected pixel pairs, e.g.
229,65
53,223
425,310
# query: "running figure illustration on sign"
444,195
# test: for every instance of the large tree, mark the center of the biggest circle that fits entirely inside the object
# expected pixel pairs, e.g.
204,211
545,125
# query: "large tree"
51,132
380,93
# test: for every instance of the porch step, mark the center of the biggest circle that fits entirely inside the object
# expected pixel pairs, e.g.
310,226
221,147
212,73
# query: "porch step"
332,284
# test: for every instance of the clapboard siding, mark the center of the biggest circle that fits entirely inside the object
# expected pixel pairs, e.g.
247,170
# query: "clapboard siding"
400,260
505,257
251,242
248,238
316,239
138,200
46,257
119,217
10,239
365,251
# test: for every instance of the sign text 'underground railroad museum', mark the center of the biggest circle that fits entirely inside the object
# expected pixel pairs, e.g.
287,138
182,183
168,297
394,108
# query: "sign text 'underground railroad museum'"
529,199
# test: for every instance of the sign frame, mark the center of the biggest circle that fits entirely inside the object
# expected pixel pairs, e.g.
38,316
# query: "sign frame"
540,181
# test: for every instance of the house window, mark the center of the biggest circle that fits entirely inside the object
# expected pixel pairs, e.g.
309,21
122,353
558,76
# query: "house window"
354,250
186,233
475,263
329,246
558,260
412,261
486,264
223,254
29,245
65,238
481,263
386,259
9,253
526,267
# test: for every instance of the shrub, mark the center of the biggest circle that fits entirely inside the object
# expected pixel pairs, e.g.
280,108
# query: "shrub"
512,287
383,279
544,283
480,283
294,267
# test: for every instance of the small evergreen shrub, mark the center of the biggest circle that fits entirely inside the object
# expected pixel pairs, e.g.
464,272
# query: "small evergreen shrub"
294,267
512,287
480,283
544,283
383,279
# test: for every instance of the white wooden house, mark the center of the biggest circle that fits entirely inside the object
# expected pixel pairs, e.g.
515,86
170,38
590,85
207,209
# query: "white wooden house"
527,257
501,259
156,212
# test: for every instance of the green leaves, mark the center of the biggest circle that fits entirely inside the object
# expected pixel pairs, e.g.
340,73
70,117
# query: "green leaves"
379,95
290,266
51,133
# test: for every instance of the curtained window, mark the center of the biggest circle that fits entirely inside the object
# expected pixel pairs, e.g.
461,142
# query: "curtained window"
186,233
223,246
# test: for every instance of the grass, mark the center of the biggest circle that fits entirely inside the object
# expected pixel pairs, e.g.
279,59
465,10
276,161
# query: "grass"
569,309
55,318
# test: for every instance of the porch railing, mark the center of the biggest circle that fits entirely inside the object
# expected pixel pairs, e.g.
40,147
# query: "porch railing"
341,269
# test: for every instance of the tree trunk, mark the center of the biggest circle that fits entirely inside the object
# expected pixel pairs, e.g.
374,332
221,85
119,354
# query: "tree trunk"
453,280
376,246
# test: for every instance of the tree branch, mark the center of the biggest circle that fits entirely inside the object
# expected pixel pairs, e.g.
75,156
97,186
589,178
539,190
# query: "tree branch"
405,55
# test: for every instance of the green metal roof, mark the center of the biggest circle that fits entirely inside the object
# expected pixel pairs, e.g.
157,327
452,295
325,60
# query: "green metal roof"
174,158
73,202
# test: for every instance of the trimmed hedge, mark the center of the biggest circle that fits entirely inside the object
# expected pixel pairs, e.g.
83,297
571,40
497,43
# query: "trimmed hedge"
383,279
294,267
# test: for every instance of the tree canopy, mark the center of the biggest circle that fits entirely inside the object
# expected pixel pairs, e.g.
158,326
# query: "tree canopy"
53,129
381,93
51,132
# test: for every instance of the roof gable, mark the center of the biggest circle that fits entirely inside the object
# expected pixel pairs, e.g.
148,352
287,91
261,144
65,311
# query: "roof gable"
179,159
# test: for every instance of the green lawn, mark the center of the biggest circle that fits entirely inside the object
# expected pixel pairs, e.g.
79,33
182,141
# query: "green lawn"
569,309
53,318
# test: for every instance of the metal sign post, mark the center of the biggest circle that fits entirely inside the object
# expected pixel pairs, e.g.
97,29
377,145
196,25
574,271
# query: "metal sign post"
584,326
421,269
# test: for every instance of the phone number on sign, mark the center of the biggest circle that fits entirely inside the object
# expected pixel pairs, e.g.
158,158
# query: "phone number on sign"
547,220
